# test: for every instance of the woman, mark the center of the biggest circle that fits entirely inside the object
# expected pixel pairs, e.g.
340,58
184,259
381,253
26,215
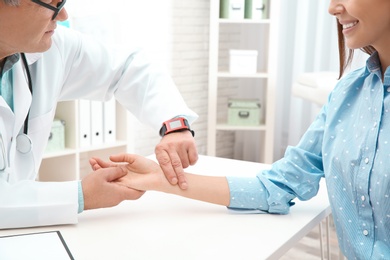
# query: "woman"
348,144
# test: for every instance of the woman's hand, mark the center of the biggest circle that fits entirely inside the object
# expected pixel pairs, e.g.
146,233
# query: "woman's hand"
142,173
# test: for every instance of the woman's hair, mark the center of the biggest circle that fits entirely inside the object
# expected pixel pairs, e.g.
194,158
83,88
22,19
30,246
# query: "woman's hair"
12,2
344,59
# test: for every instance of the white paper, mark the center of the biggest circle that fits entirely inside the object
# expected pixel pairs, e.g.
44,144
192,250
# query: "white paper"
35,246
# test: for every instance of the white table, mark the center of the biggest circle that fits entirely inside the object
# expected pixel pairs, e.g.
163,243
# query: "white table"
163,226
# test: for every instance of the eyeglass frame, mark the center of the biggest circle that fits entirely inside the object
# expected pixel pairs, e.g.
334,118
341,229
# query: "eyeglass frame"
56,9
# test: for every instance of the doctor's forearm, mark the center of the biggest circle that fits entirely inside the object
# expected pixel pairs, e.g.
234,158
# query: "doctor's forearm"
204,188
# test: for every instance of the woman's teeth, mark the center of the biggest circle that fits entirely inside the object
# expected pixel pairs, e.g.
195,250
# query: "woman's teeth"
349,25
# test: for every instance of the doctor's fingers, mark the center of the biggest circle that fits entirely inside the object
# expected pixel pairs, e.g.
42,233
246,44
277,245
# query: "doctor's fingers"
171,164
164,160
111,173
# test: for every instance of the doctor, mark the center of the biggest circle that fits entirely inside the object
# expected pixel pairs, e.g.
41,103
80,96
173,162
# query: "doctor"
40,65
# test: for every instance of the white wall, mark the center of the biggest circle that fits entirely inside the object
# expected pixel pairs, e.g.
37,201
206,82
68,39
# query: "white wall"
173,32
188,59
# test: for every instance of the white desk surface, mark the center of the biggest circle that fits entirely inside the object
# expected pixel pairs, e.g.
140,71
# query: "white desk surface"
164,226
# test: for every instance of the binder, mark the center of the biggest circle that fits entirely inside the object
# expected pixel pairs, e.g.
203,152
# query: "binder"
109,121
96,122
84,123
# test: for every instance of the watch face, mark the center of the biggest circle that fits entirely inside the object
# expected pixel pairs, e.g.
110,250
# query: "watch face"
175,124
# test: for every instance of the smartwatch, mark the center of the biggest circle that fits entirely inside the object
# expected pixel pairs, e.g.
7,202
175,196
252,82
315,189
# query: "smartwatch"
176,124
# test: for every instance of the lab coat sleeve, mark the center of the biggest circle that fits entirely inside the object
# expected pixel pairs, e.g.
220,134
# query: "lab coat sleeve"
95,72
31,203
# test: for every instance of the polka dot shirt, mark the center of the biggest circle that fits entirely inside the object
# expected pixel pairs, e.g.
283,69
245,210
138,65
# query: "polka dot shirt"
349,145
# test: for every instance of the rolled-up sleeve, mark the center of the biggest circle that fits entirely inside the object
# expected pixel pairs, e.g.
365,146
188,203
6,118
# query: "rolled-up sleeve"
250,193
247,193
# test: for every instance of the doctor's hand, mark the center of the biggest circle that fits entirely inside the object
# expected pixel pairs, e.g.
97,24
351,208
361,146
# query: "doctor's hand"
101,191
174,152
142,173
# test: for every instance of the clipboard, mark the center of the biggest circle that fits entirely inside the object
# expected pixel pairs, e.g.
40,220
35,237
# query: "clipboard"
33,246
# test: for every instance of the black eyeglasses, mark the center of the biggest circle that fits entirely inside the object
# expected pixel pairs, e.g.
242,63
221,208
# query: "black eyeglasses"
56,9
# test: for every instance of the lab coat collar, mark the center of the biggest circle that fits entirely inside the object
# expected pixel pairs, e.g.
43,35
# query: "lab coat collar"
33,57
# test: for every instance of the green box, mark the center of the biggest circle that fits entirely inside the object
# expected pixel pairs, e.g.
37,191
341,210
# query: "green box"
257,9
56,140
232,9
224,9
245,112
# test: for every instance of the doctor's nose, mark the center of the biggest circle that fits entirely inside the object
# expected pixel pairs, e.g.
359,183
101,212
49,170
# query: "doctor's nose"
62,15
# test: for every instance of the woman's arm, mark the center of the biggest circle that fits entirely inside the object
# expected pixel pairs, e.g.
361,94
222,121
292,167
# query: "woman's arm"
145,174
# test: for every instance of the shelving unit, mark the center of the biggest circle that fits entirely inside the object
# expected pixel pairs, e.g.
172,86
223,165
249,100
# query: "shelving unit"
72,163
260,84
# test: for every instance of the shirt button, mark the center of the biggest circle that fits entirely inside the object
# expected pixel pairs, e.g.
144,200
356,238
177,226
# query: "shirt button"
366,160
363,198
375,124
365,232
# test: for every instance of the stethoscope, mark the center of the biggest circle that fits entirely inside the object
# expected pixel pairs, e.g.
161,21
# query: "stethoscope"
23,141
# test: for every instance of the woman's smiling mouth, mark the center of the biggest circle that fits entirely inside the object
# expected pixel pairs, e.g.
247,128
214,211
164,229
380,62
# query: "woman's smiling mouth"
349,25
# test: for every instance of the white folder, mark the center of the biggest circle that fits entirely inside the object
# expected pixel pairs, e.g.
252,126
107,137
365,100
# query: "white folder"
84,123
109,121
96,122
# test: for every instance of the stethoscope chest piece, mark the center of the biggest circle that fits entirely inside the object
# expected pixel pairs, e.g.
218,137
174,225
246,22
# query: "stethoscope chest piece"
23,143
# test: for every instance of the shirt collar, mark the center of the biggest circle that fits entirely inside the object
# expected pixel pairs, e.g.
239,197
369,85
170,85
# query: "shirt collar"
9,63
373,63
14,58
374,66
33,57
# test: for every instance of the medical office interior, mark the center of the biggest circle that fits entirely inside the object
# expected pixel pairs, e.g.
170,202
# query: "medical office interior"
279,63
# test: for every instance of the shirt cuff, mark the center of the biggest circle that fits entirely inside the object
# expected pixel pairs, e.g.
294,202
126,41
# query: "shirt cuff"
81,198
247,193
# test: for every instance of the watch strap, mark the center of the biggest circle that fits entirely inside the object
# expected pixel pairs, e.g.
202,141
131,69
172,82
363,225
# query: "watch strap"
177,124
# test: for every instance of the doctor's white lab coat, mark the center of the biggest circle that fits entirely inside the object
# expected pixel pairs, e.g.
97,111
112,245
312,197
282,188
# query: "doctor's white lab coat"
73,68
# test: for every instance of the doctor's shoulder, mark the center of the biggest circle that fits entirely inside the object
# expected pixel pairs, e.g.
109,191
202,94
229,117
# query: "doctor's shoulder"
67,41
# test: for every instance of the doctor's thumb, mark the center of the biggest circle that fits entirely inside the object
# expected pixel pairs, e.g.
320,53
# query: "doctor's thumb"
114,173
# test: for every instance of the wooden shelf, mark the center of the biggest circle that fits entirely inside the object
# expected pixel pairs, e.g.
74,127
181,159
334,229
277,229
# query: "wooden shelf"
244,21
264,89
72,162
232,75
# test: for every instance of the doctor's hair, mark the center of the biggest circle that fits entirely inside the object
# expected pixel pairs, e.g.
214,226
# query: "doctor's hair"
344,58
12,2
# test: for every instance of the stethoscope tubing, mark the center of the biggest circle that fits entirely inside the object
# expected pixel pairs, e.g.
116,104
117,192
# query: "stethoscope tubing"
25,127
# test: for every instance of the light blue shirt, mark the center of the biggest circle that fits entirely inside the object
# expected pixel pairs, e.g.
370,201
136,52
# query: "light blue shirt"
349,145
6,84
